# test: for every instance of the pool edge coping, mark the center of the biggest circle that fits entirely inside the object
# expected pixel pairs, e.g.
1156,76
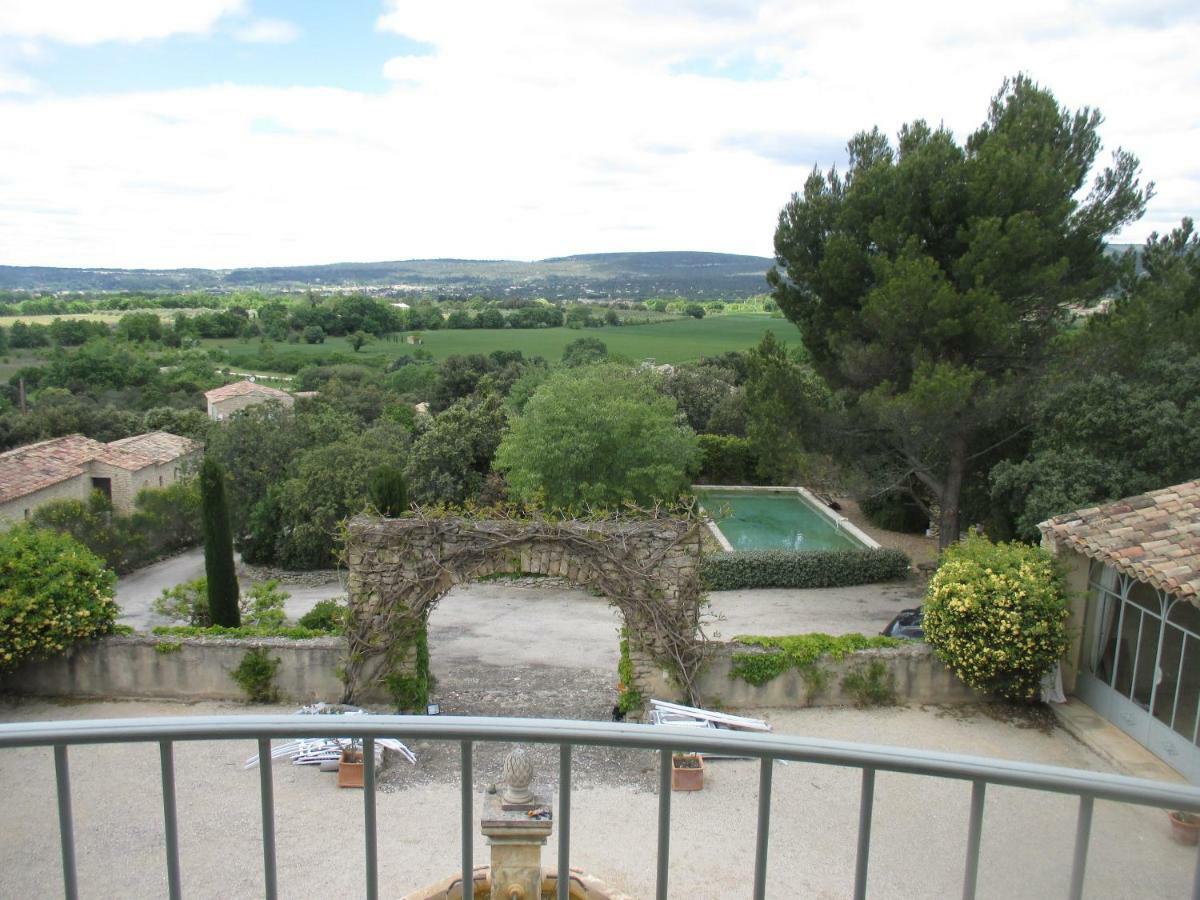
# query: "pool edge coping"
839,521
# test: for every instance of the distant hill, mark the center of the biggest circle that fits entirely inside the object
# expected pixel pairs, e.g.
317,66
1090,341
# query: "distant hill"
600,275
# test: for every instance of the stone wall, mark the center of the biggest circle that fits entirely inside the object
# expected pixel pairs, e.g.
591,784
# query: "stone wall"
120,666
400,568
131,667
919,678
14,511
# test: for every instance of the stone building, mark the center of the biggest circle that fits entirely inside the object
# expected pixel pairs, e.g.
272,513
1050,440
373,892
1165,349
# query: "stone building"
1133,569
225,401
71,467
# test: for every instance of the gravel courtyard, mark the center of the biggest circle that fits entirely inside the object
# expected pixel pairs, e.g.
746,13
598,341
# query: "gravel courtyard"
918,843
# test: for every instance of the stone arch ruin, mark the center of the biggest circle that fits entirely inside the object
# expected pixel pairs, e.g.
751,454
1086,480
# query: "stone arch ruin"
648,566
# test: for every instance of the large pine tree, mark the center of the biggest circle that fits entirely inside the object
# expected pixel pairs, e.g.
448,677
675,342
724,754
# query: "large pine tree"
929,280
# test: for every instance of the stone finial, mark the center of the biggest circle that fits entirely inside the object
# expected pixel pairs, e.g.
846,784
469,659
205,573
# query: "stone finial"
518,775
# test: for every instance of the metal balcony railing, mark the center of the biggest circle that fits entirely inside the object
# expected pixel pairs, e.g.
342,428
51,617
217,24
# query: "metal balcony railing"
767,748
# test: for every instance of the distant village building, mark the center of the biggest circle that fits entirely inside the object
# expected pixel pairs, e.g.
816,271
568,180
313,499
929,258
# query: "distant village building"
1133,573
225,401
71,467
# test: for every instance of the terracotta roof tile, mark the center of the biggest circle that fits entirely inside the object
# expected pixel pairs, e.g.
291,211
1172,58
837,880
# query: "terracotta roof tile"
1154,537
160,446
239,388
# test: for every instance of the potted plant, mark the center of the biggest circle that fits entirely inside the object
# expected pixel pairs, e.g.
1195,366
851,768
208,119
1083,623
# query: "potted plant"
350,766
687,772
1185,826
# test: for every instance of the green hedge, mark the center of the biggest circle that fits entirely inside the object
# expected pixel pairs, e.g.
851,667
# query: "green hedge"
801,568
726,459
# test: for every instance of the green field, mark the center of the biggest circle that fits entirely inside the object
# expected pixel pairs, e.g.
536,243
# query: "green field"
675,341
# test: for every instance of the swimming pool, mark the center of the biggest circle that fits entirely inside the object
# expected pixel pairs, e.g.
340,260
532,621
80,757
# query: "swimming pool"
778,519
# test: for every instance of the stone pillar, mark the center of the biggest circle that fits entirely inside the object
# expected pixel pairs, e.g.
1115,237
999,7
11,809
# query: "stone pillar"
517,823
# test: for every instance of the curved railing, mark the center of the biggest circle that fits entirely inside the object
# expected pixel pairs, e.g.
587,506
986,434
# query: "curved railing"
981,772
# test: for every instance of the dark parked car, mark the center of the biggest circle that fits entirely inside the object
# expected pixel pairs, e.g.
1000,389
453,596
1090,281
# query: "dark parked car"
907,624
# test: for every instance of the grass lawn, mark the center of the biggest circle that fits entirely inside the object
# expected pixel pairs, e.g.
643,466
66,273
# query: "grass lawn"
110,317
14,360
674,341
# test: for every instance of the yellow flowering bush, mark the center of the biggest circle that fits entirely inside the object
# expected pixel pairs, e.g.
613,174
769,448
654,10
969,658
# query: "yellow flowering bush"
995,614
53,592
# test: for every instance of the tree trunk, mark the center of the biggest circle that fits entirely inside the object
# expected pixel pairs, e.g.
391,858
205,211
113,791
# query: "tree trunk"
952,492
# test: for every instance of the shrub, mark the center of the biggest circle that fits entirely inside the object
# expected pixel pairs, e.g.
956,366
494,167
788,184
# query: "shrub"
260,608
801,568
187,602
53,592
726,459
164,521
262,605
255,675
995,614
388,491
326,615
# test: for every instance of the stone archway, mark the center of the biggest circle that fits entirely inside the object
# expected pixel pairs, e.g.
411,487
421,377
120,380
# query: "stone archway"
649,567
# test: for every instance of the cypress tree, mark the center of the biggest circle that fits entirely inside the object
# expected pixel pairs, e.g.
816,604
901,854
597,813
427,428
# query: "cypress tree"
389,492
218,547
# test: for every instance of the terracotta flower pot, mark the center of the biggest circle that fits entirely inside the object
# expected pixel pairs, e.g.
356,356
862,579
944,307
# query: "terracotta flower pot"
687,772
1185,827
350,769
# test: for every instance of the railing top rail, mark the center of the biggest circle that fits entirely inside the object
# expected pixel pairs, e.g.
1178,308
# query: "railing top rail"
1099,785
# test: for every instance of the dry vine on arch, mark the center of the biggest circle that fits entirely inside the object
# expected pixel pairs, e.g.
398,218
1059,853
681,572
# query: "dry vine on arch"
647,562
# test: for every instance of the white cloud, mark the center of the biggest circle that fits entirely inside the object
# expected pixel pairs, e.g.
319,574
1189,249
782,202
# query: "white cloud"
267,31
544,128
96,21
16,83
410,68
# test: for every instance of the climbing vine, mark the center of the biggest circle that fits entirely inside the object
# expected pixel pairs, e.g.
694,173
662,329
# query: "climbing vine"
798,651
647,562
629,698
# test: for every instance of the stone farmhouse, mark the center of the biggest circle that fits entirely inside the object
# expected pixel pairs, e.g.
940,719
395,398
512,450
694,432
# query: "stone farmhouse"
225,401
71,467
1133,572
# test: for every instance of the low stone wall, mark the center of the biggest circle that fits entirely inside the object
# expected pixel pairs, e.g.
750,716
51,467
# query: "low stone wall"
133,666
919,678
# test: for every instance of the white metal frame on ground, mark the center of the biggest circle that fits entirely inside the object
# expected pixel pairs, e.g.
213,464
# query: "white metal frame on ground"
839,521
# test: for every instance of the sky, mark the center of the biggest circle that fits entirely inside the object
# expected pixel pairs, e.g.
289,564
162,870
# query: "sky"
223,133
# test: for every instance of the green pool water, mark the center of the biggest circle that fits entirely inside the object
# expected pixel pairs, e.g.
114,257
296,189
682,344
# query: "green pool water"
760,520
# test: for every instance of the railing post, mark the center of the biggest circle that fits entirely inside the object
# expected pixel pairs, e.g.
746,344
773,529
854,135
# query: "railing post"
166,758
664,822
564,822
66,827
866,805
763,837
974,832
467,776
1083,831
372,848
267,795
